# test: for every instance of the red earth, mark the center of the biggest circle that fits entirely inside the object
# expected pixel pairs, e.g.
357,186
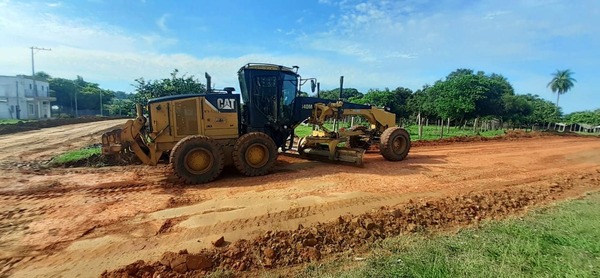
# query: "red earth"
67,222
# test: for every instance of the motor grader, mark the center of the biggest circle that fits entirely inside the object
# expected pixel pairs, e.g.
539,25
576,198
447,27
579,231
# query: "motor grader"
202,133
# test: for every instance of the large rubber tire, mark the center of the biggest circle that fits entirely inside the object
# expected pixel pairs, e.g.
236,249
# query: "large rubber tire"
197,159
395,144
356,141
254,154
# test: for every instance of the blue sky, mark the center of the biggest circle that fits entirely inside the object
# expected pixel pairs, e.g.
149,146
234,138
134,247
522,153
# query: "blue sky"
373,44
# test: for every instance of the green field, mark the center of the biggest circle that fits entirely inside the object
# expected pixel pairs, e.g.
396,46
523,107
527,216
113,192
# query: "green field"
429,132
560,241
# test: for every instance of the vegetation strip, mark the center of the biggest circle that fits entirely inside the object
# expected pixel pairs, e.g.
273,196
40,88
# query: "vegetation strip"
560,241
308,244
76,155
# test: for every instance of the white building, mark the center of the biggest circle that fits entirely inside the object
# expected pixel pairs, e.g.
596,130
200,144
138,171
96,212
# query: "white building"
20,100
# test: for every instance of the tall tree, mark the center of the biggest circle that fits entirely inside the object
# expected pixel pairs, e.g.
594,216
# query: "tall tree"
64,91
584,117
166,87
422,102
41,75
348,93
561,83
544,111
517,109
395,100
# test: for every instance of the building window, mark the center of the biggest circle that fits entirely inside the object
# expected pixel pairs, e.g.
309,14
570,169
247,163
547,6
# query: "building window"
30,87
30,109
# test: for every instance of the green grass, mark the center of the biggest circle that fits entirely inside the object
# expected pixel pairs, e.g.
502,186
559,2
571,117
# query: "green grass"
562,241
12,121
76,155
302,130
429,132
433,132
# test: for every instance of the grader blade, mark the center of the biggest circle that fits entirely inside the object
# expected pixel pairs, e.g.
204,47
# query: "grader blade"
344,155
128,138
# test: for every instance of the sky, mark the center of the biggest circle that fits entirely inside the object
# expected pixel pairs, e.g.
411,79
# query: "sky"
373,44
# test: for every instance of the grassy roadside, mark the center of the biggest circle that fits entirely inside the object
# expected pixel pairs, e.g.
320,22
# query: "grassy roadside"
12,121
76,155
561,241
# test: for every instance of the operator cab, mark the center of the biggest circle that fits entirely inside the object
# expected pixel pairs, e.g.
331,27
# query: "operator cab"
268,93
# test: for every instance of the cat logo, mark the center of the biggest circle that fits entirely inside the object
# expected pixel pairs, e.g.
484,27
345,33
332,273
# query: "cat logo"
226,104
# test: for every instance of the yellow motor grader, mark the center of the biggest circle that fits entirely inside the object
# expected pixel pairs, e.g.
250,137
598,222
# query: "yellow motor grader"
202,133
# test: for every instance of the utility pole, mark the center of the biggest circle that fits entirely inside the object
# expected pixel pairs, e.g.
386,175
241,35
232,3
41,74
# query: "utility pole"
18,108
33,67
101,104
76,115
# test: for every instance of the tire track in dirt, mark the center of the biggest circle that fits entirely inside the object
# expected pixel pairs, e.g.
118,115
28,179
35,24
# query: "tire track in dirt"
113,188
271,249
346,206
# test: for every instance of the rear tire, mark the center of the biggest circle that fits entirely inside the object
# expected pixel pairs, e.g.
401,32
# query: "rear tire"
254,154
395,144
197,159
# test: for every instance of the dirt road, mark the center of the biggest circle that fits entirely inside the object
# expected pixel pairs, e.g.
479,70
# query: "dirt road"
82,221
42,144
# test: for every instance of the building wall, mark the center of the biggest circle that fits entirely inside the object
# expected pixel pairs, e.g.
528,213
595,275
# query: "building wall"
17,90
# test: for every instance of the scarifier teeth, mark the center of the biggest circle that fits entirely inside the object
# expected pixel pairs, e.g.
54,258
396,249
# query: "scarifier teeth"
111,141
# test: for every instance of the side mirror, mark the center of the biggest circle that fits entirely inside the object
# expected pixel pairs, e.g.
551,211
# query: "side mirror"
313,85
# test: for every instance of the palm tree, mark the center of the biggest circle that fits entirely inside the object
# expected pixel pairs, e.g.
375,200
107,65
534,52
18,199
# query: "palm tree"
561,83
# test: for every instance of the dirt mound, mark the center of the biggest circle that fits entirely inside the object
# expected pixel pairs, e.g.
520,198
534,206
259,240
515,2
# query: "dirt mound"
34,125
351,233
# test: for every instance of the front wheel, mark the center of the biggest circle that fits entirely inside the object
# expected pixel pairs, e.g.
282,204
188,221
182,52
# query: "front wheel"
197,159
395,144
254,154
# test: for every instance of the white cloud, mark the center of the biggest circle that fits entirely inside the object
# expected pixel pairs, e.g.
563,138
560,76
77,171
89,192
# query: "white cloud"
54,4
414,42
446,33
79,47
401,55
493,15
162,22
374,44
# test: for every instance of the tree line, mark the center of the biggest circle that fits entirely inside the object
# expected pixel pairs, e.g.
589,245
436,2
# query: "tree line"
468,96
76,97
463,96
